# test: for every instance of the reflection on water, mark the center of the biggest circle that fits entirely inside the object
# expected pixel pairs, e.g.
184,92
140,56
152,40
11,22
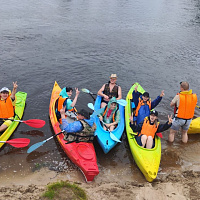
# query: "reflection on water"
79,44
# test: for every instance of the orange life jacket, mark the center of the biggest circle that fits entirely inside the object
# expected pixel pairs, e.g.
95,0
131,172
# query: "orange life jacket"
6,108
60,102
141,103
113,117
148,129
186,106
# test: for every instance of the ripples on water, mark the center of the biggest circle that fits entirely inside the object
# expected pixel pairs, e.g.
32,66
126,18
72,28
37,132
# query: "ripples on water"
80,43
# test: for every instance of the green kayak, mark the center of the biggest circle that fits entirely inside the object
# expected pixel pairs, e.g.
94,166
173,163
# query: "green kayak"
148,160
19,110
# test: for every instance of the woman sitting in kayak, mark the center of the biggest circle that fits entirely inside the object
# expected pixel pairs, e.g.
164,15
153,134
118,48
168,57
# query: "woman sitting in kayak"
65,101
148,128
7,103
110,116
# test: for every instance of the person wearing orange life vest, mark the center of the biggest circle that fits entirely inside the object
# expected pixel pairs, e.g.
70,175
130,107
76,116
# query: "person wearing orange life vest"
65,101
144,104
110,115
109,90
148,128
185,102
7,103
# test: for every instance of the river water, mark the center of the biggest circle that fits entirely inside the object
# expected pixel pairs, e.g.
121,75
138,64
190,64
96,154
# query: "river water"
79,44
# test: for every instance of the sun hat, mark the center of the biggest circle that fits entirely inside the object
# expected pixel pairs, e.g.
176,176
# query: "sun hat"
154,112
113,76
84,113
4,89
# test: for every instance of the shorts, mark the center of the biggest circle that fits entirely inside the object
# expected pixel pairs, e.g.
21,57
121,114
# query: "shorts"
183,123
104,101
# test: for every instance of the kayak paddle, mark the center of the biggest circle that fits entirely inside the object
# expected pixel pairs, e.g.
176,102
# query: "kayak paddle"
96,112
18,142
112,136
39,144
36,123
88,91
122,102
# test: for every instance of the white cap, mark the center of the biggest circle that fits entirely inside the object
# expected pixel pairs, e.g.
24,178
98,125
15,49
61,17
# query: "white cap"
4,89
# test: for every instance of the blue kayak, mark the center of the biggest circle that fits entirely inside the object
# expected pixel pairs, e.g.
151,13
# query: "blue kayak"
103,137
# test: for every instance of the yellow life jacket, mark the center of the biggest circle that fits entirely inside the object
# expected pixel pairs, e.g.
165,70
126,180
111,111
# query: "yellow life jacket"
187,105
6,108
148,129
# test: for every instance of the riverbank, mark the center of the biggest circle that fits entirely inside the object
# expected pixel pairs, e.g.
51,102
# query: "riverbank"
174,186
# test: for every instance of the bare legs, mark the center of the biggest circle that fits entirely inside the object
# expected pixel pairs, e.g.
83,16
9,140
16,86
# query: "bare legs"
173,132
3,127
148,140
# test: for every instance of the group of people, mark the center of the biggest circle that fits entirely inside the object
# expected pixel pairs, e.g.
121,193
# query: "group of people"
144,119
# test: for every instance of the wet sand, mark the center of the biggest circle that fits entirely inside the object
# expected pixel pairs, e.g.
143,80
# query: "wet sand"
178,178
177,185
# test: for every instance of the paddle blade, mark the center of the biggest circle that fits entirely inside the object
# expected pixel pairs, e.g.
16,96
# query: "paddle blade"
19,142
122,102
91,106
97,112
85,90
35,146
36,123
113,137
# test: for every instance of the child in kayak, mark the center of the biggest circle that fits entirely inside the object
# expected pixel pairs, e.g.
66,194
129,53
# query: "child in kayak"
110,116
109,90
65,101
143,104
7,103
148,128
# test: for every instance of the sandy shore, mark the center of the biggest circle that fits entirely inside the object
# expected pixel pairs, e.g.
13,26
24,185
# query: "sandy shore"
175,186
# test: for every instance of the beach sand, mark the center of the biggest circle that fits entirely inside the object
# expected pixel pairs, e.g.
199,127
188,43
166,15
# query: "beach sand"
175,186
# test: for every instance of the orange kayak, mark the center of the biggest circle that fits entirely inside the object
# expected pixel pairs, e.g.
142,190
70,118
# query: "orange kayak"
81,154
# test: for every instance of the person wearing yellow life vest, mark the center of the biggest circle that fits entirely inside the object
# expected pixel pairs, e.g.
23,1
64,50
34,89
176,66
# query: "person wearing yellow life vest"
7,103
109,90
148,128
65,101
144,104
110,115
185,102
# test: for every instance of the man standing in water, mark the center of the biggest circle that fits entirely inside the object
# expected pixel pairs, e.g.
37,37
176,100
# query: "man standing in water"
184,102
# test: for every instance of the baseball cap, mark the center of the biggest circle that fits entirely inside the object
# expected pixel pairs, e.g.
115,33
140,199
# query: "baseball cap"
84,113
154,112
4,89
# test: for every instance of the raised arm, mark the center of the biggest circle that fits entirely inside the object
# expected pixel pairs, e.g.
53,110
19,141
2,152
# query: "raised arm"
75,98
14,90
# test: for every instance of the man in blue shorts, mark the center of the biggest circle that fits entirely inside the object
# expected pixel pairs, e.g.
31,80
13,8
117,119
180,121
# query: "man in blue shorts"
184,102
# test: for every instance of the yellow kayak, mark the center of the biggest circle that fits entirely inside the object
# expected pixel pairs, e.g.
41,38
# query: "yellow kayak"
148,160
19,110
194,126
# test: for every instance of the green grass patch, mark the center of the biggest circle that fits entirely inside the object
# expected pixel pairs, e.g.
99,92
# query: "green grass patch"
64,190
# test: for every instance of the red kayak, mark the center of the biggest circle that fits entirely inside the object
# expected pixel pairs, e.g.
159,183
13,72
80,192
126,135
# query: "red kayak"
81,154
